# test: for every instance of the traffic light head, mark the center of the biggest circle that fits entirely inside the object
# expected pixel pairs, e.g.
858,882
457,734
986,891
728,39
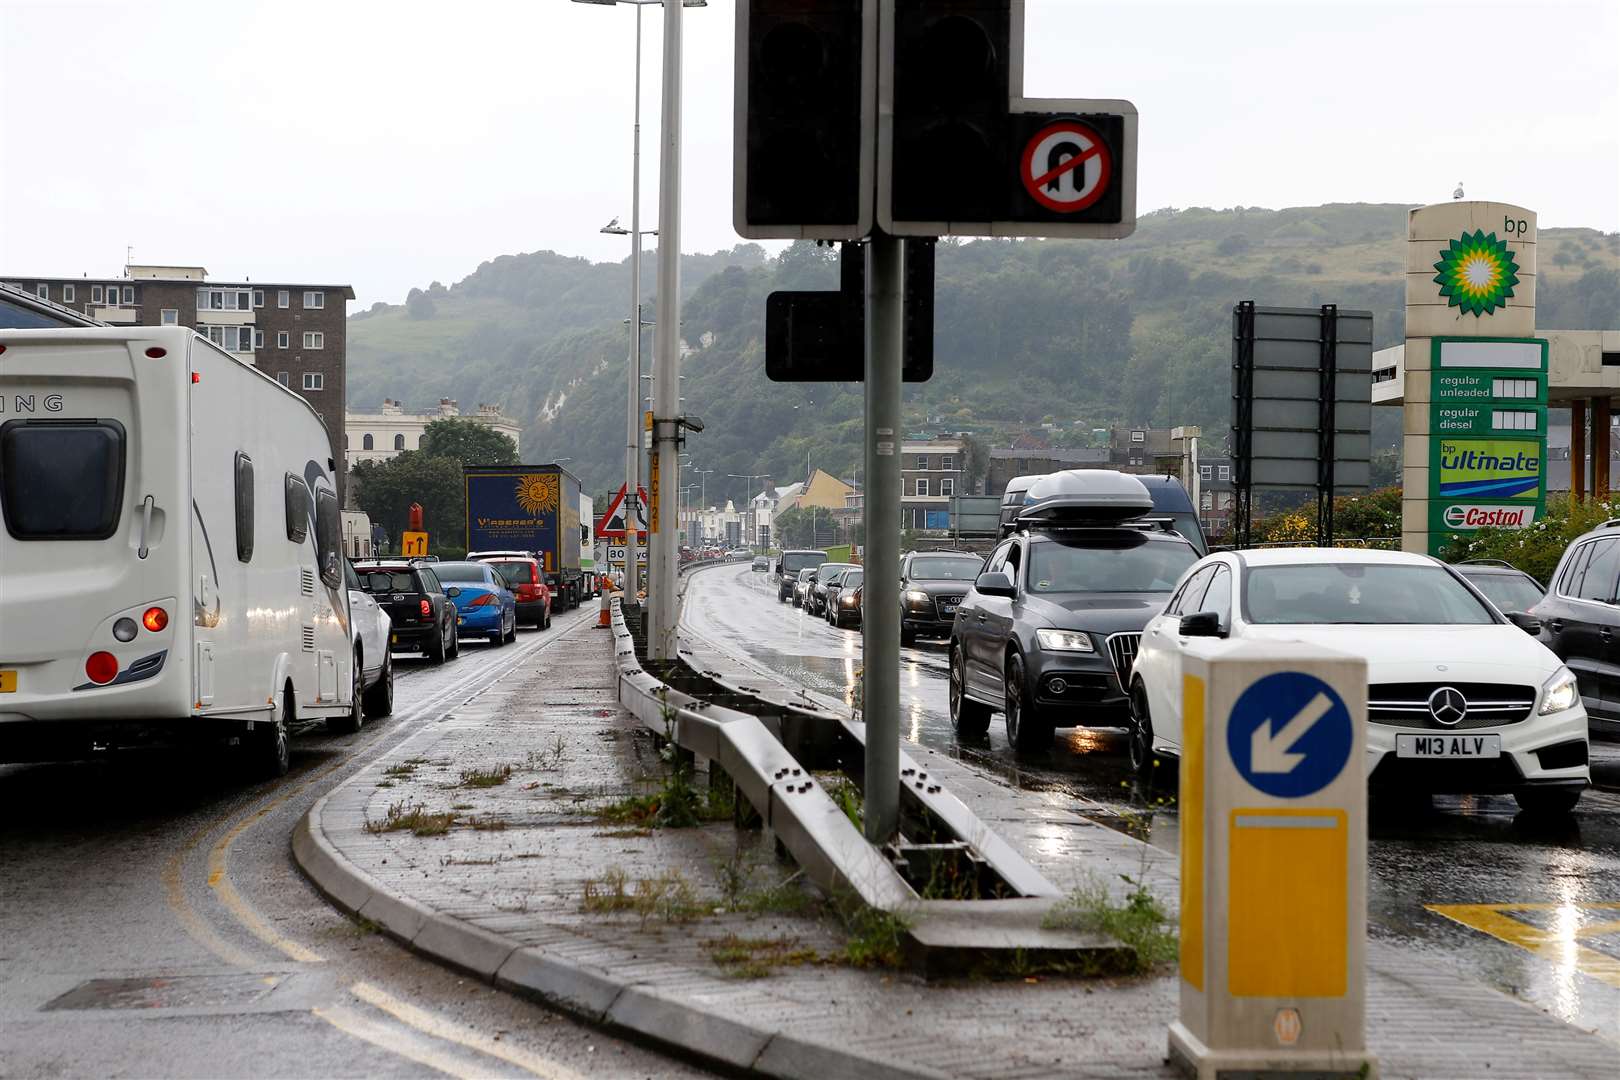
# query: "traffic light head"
805,103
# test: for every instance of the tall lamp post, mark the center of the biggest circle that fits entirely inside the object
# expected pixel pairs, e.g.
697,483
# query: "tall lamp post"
753,538
632,479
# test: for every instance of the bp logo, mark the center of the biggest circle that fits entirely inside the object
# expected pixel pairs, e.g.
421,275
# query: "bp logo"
1477,273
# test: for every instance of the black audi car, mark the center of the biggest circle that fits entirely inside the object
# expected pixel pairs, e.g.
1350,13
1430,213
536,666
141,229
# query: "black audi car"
932,586
1048,631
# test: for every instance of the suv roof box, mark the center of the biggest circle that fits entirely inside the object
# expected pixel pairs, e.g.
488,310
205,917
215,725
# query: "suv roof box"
1082,497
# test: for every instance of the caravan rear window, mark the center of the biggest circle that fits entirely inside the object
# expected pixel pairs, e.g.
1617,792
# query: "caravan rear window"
61,479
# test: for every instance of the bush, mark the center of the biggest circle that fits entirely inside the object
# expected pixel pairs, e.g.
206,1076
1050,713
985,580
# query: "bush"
1375,515
1535,550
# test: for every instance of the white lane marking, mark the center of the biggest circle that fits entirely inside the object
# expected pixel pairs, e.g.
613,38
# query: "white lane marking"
391,1039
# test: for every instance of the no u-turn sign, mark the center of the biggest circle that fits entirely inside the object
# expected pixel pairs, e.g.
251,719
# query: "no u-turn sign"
1067,166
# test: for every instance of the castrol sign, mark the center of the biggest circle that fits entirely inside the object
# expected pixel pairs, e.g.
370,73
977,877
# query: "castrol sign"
1483,516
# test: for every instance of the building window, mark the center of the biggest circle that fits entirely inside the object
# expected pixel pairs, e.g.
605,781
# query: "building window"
95,294
1225,472
283,298
922,487
129,294
947,486
922,461
314,380
1205,472
314,339
283,339
283,378
258,339
67,294
948,463
170,316
366,442
314,299
42,291
1138,436
230,338
399,442
1206,501
258,298
1225,501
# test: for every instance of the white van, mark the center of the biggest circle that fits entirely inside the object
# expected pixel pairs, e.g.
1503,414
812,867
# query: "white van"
170,566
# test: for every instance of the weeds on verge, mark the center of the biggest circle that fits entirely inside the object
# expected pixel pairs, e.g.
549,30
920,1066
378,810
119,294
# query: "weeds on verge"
486,778
667,898
740,894
875,936
676,803
415,818
848,797
549,759
755,958
1140,921
487,822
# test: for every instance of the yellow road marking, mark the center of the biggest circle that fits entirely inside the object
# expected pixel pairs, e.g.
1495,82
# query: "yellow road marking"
220,882
1558,945
450,1031
396,1042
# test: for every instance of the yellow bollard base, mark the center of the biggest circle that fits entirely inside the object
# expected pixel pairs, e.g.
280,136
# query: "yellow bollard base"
1190,1057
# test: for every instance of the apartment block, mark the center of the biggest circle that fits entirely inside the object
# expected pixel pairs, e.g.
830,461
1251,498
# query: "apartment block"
931,472
295,333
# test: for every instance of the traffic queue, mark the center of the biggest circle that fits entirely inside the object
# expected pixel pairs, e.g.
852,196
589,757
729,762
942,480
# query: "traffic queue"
1478,681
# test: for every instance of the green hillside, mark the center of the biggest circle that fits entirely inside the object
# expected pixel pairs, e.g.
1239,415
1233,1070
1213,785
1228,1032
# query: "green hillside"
1026,332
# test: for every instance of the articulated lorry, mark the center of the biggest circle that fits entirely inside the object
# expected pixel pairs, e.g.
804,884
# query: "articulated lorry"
532,510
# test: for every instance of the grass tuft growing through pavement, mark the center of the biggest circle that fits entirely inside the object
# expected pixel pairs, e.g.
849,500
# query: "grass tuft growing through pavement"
1140,921
414,818
486,778
755,958
669,897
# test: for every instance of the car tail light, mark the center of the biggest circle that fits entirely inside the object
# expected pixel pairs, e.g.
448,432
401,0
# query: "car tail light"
427,608
155,619
484,600
101,668
157,352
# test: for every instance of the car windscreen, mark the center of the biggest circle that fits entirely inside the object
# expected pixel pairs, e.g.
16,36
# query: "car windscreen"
794,561
388,581
807,575
1509,592
514,573
462,573
827,569
1187,526
1359,594
963,569
852,580
61,479
1128,562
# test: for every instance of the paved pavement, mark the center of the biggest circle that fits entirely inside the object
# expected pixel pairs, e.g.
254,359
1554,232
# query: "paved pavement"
153,923
528,900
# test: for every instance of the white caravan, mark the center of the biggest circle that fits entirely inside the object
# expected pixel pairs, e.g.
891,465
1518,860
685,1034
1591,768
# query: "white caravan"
171,564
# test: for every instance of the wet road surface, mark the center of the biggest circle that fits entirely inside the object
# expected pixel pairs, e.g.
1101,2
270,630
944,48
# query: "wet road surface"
1530,908
152,922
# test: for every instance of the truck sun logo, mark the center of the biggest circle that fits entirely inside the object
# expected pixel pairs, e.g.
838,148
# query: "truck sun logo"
1477,273
537,493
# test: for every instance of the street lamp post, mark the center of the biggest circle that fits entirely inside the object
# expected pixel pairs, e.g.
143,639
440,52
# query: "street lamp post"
753,529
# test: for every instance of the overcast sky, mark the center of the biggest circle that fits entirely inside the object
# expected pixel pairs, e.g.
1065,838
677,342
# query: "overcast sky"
388,145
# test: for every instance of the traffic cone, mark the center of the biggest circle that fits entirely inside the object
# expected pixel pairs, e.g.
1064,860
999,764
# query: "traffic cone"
605,619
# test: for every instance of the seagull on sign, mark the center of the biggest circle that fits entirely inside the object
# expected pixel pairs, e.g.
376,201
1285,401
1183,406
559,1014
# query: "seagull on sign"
1458,193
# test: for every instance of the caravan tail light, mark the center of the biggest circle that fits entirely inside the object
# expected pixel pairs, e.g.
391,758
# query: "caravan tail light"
101,668
427,608
155,619
157,352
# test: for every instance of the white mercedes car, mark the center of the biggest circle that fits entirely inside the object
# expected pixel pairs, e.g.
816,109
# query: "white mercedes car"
1460,698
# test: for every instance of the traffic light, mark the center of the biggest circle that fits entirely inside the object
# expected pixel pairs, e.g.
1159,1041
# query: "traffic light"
805,107
820,336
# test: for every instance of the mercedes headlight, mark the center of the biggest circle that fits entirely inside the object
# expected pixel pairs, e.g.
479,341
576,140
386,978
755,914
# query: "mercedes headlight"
1559,692
917,596
1064,640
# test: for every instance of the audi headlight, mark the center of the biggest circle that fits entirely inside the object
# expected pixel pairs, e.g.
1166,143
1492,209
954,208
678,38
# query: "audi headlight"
849,600
1559,692
917,596
1064,640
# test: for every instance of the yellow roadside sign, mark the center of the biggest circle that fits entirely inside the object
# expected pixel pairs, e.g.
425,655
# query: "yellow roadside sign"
652,488
413,543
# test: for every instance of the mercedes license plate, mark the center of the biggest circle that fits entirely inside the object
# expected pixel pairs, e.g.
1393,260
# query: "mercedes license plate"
1448,746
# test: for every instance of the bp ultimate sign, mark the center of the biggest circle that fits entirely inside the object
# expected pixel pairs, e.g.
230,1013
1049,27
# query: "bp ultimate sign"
1488,435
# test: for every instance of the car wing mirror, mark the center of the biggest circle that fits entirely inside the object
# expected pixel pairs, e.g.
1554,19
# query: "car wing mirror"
995,584
1525,621
1202,624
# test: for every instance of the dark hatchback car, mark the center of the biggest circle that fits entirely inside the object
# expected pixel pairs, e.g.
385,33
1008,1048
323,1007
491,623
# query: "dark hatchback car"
1048,632
1580,621
932,586
788,565
424,619
815,601
1503,584
841,604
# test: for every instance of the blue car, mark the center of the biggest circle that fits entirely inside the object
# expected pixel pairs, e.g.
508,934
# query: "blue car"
484,605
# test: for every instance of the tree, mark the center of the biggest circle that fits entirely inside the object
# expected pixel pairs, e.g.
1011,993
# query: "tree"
418,305
386,489
467,442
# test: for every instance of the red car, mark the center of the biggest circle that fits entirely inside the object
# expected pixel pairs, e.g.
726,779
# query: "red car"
527,581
